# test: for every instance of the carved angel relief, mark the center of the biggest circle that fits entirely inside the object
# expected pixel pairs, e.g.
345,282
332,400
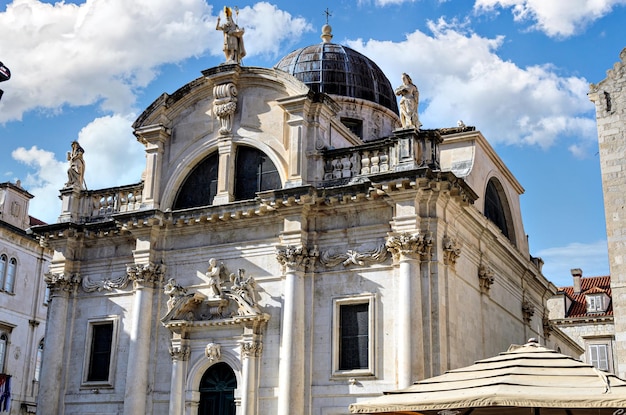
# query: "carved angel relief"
231,295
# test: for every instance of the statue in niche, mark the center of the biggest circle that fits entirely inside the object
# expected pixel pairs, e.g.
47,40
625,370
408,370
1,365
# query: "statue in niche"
76,172
233,38
408,103
214,276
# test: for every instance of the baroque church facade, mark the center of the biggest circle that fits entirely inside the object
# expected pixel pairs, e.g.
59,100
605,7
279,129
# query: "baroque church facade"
294,245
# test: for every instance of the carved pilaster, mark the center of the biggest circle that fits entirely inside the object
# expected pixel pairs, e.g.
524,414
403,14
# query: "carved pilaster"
225,105
145,274
296,258
451,250
251,349
62,281
486,278
411,245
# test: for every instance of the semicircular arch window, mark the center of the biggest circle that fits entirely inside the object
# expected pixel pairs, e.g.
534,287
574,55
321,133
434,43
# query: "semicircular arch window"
255,172
217,391
497,208
200,185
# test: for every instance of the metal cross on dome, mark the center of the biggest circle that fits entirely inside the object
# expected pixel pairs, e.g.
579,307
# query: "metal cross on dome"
328,14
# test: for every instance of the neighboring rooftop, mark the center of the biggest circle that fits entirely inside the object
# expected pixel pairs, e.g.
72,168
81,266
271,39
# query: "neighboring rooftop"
600,285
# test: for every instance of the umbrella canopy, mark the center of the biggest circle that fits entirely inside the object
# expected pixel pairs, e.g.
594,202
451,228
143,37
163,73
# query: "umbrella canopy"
528,379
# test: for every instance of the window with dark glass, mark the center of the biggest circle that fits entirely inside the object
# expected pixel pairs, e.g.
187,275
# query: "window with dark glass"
200,186
354,336
356,126
100,352
496,207
255,172
217,391
4,342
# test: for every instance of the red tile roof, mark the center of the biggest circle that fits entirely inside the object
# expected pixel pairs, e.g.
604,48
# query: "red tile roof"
589,285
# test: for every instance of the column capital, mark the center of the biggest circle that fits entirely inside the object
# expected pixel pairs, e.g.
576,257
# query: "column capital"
408,245
62,282
145,274
251,349
296,258
180,352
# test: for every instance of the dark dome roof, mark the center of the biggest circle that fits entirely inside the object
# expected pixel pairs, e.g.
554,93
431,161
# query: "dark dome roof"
339,70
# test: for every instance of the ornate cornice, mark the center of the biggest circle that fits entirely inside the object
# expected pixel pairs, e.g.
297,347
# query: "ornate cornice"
411,245
296,258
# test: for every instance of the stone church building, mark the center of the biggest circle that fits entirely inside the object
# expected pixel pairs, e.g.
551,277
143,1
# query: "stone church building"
293,246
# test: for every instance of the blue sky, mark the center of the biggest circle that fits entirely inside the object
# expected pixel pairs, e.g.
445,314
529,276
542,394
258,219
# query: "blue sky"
518,70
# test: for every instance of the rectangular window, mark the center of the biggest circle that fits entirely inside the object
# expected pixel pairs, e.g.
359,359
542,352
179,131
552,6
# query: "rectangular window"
599,356
99,353
353,327
594,303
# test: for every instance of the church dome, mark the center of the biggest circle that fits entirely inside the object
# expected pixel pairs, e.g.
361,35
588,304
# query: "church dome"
338,70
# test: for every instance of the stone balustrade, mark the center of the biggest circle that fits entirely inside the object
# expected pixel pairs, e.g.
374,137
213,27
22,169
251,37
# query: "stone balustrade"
93,205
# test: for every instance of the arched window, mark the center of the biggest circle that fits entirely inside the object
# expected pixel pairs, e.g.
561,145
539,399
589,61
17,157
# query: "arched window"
200,186
38,358
254,172
497,208
4,342
217,391
9,281
3,269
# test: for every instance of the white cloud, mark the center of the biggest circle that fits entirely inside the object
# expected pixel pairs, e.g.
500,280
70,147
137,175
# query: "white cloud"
113,157
460,76
554,18
591,258
115,47
48,177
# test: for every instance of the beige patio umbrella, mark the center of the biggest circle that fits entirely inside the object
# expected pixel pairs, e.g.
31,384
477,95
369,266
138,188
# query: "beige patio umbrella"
528,379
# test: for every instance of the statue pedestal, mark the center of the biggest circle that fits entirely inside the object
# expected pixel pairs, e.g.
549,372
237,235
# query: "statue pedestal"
70,204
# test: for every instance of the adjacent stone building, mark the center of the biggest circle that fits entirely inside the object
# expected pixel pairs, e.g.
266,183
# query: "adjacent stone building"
584,311
291,248
23,302
609,97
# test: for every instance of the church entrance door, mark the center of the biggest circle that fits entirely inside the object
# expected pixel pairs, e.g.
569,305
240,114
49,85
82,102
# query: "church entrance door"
217,391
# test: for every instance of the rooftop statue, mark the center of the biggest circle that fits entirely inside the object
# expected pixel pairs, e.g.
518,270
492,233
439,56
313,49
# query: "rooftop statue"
408,103
76,172
233,38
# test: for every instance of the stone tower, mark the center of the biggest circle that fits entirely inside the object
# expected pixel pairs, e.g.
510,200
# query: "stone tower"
609,97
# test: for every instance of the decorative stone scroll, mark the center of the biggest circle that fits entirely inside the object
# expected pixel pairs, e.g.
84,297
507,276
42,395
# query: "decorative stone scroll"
411,245
251,349
225,105
296,258
107,284
451,250
62,281
486,278
353,257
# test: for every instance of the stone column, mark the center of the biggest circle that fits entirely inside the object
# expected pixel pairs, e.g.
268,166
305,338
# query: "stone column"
298,109
406,249
226,172
51,381
250,353
180,354
153,138
291,366
144,278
